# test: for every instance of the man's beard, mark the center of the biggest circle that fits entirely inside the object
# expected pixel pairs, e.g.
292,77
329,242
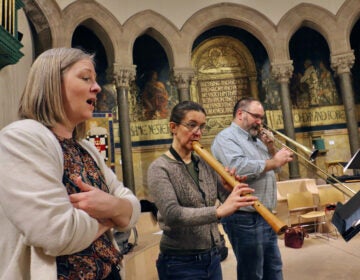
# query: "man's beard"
254,131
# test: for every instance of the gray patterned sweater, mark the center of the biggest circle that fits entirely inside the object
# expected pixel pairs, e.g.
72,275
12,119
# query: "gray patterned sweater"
186,215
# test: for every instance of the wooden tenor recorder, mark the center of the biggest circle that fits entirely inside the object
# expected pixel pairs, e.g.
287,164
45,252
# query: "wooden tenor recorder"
278,226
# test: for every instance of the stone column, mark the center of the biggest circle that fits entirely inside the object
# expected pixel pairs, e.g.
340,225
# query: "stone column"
254,87
282,72
182,79
123,76
341,64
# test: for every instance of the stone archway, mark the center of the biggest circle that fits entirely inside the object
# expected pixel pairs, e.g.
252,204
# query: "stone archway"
43,26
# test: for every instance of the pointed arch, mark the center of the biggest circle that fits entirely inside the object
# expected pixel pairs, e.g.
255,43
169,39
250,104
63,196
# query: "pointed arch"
156,26
306,15
44,26
102,23
348,16
233,15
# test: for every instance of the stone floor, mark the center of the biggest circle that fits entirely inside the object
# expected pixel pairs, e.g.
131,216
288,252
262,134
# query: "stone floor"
320,258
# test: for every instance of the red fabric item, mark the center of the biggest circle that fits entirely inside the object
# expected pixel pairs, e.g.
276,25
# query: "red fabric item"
294,237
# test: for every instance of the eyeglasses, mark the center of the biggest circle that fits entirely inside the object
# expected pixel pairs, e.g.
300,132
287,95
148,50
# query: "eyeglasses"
194,127
255,116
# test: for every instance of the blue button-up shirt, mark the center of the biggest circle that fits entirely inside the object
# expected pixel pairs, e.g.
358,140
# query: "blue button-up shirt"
236,148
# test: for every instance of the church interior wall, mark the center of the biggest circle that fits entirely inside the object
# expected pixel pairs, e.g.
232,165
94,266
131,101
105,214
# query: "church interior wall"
12,77
179,12
268,34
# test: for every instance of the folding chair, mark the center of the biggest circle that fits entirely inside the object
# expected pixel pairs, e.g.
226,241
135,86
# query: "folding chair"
328,198
302,205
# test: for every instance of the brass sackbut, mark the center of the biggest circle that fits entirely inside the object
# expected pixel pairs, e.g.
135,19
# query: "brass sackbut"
310,160
312,154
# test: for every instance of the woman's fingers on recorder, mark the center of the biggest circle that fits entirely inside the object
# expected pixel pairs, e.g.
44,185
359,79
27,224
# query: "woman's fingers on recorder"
243,189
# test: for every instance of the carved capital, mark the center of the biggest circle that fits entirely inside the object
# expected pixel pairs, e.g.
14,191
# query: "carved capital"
182,77
342,63
123,75
282,72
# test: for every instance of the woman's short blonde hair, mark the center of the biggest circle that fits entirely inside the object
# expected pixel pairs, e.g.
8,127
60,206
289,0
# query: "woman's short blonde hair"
42,98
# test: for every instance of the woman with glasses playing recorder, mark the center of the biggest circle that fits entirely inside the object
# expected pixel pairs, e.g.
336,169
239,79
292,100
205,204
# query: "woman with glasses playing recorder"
185,189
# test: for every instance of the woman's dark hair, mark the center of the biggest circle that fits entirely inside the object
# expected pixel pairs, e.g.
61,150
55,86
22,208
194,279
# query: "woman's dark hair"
179,111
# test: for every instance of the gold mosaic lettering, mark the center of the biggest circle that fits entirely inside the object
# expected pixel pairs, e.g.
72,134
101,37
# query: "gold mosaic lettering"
219,96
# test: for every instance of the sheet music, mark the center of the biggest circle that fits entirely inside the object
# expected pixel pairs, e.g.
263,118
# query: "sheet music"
356,223
354,162
346,217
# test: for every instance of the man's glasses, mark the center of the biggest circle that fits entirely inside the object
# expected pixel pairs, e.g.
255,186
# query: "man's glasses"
194,127
255,116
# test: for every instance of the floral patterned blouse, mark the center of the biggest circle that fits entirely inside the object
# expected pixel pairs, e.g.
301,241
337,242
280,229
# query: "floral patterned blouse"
96,261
